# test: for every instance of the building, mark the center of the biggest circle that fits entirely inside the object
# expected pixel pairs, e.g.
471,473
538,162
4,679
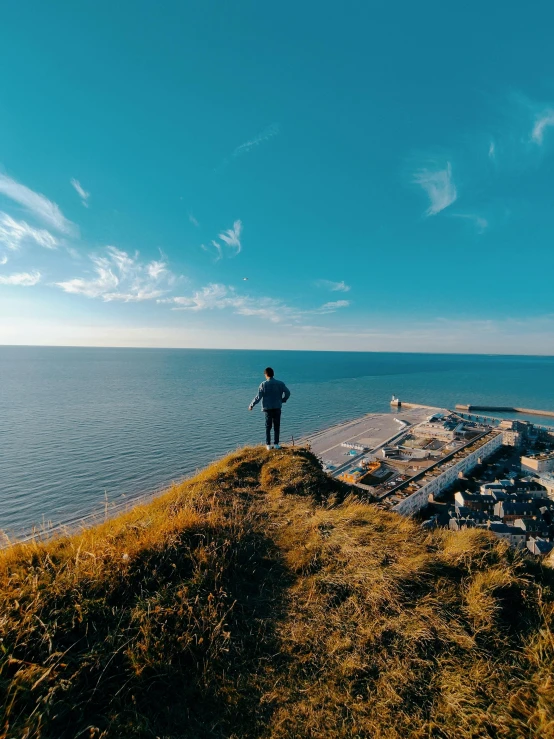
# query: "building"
515,536
533,526
510,510
391,452
354,475
409,453
474,502
468,513
439,477
538,463
547,481
438,428
374,471
499,486
514,433
540,547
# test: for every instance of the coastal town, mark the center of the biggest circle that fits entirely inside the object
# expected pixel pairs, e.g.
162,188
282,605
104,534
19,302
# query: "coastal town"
454,469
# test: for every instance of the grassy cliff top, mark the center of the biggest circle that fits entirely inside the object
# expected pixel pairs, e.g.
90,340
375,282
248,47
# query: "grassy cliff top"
256,600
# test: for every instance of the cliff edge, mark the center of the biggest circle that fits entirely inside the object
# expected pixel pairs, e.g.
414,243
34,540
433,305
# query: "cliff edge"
260,599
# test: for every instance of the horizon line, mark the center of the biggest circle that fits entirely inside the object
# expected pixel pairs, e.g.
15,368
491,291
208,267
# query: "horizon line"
246,349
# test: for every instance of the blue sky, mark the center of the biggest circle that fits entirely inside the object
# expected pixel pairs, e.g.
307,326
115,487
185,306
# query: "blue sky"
381,175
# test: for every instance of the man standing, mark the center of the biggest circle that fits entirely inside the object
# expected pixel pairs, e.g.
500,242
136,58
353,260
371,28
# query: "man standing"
273,393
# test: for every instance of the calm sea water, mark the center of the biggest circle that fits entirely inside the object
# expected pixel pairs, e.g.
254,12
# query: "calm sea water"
82,426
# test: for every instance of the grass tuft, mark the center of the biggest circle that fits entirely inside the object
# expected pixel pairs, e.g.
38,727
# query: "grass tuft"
261,600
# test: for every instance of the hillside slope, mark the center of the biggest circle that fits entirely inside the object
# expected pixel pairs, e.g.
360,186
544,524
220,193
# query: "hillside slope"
257,601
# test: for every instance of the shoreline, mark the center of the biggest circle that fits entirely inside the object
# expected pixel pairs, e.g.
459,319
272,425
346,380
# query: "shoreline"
49,530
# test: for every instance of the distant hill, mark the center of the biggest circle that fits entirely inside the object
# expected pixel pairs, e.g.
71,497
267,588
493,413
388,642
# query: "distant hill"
261,600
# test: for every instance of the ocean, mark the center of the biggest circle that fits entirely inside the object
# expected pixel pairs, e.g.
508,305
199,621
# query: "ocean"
83,430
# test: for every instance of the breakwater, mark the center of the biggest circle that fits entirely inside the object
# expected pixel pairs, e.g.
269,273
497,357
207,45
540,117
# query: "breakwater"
503,409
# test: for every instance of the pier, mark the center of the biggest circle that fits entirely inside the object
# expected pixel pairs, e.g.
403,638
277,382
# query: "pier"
502,409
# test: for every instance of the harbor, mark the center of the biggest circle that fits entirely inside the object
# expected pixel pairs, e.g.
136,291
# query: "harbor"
404,458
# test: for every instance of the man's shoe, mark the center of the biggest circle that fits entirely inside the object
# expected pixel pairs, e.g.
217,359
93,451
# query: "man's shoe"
277,446
268,447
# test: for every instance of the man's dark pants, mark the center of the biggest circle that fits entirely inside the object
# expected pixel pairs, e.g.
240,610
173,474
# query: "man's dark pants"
272,418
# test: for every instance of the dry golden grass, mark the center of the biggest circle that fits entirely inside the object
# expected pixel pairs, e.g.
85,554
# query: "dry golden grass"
259,600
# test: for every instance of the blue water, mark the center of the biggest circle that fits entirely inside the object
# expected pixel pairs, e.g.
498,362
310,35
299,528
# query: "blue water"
79,427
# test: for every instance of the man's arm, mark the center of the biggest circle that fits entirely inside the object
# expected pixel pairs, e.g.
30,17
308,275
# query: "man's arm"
286,393
257,398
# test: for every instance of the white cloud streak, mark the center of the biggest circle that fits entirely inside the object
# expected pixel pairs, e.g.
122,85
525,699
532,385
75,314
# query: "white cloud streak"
492,150
21,279
341,286
267,134
216,296
83,194
193,220
545,120
231,238
439,186
332,307
15,233
36,203
217,254
119,276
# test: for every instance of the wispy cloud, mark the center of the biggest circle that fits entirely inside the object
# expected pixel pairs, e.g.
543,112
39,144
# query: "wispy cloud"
15,233
439,186
332,307
3,260
36,203
480,223
492,150
543,121
214,249
341,286
157,269
120,276
267,134
208,297
217,297
21,279
230,237
83,194
193,220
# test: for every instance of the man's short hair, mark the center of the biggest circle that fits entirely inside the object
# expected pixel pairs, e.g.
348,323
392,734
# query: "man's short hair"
269,372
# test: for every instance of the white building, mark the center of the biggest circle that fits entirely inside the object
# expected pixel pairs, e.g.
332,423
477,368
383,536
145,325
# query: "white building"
439,429
538,463
514,433
441,477
494,487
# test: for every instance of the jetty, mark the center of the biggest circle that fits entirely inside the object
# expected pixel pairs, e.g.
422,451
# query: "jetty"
502,409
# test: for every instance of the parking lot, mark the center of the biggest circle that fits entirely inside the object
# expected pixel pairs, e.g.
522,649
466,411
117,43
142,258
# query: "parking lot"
369,432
